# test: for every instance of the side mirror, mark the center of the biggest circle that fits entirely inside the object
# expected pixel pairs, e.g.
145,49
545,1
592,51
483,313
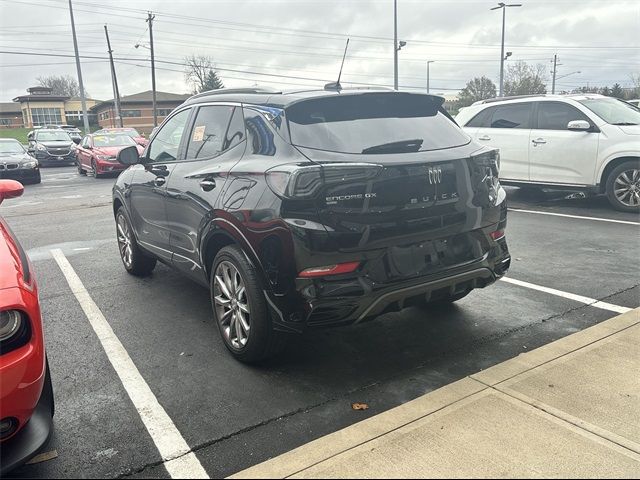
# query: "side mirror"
10,189
129,156
579,126
76,140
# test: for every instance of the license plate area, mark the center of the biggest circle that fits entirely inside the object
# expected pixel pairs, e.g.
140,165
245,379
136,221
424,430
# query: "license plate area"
427,257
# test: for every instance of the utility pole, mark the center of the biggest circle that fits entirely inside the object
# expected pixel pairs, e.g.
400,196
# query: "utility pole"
395,44
503,6
114,80
555,68
153,69
428,62
83,100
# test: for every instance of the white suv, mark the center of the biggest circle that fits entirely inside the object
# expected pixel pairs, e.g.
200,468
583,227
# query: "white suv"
589,142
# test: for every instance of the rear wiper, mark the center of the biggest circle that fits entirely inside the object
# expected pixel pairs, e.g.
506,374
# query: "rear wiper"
401,146
624,123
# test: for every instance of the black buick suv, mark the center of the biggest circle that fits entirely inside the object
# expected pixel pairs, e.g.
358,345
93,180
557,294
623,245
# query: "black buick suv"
312,209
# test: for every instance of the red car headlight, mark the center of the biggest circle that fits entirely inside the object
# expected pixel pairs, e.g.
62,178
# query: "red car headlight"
14,330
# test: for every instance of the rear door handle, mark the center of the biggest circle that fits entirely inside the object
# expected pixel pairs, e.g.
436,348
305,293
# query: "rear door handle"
208,184
484,137
539,140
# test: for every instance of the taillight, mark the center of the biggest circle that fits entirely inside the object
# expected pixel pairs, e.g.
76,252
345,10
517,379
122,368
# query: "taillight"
305,181
325,270
497,235
485,169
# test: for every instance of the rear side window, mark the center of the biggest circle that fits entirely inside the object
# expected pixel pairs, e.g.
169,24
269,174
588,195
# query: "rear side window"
516,115
482,119
216,129
556,115
373,123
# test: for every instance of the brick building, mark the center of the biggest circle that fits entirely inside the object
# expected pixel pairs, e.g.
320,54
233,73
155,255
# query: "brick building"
137,110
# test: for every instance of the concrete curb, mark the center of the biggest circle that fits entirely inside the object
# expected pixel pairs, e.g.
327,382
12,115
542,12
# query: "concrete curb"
496,385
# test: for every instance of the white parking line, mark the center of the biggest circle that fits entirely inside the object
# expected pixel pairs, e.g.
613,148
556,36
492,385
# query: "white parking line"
597,219
180,462
571,296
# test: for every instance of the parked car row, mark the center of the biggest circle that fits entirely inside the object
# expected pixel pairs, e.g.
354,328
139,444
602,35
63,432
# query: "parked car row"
587,142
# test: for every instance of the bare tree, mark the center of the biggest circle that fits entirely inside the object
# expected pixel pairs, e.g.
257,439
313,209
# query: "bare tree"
200,73
522,78
61,85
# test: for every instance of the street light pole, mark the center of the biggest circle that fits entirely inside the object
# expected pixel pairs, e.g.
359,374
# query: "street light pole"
555,68
428,62
153,68
395,44
503,6
83,101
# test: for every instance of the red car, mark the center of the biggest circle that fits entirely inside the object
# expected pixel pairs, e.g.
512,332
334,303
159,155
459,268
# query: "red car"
97,153
26,394
132,132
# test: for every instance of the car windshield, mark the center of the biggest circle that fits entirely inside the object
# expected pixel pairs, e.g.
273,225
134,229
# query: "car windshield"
11,147
112,140
373,123
613,111
53,136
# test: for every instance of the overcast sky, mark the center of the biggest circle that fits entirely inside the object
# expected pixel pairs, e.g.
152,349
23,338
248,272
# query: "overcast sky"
300,42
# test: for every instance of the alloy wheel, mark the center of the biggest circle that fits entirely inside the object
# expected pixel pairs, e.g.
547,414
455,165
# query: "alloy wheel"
626,187
232,304
124,241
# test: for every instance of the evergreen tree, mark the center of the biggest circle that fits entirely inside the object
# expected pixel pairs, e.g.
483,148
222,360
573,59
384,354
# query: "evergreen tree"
617,91
211,82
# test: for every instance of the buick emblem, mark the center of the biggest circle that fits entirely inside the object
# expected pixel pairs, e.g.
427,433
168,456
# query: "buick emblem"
435,175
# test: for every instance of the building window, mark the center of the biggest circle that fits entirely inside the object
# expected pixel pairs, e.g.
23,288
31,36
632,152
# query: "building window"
131,113
46,116
104,115
163,112
5,122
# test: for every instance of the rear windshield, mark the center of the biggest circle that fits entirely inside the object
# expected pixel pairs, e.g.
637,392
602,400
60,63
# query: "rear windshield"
373,123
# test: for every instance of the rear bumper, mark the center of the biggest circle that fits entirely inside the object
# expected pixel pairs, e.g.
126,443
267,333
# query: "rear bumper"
35,435
353,298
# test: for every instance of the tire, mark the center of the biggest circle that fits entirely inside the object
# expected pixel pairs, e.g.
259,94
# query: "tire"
81,171
244,308
443,301
94,168
623,187
135,261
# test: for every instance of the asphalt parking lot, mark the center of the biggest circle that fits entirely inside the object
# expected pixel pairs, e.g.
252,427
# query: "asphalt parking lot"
233,416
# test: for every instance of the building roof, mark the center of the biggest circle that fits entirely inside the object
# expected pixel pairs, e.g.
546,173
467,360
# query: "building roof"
78,99
145,97
10,107
41,98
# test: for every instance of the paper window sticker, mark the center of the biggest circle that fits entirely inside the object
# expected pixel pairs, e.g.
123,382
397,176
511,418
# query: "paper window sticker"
198,134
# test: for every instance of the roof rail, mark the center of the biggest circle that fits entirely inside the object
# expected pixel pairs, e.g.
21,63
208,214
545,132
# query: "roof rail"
512,97
221,91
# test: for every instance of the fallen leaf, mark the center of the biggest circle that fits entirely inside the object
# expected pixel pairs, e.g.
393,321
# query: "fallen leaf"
359,406
43,457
